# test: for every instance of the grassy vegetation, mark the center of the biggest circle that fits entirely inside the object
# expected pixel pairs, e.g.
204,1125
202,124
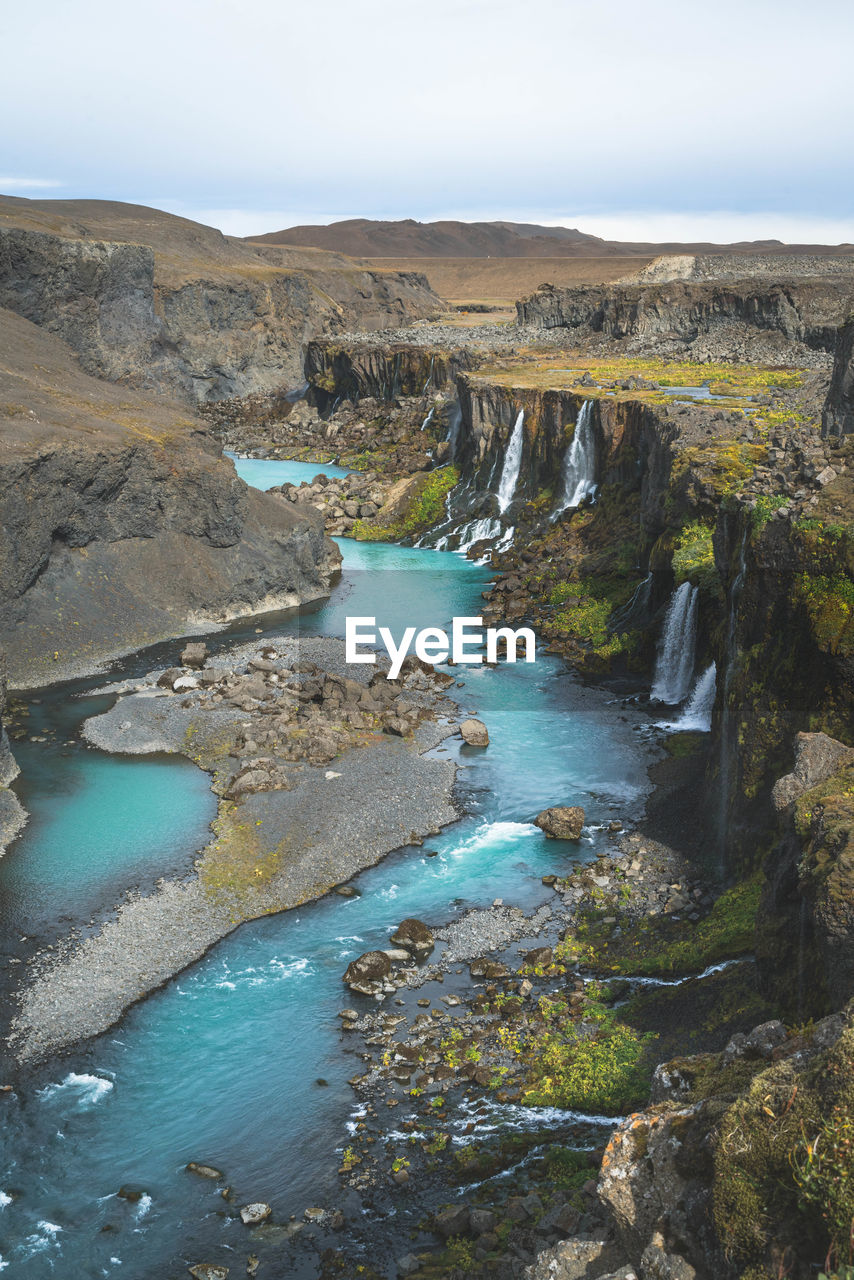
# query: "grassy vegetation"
829,601
424,509
602,1068
587,620
658,946
727,463
737,383
694,557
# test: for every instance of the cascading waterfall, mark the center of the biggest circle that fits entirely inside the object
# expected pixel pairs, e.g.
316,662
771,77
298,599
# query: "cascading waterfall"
676,654
429,418
579,464
429,377
697,716
512,464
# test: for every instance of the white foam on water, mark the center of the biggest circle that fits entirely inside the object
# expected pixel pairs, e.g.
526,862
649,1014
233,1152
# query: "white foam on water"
496,833
86,1089
4,1199
145,1203
697,715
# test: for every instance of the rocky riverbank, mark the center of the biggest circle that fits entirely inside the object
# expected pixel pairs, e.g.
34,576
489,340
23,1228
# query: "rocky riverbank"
267,724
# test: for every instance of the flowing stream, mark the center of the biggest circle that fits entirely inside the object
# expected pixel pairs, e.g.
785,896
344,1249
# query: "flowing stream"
238,1061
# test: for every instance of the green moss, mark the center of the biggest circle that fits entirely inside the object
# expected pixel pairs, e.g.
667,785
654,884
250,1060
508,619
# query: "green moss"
830,604
425,509
694,557
784,1164
658,945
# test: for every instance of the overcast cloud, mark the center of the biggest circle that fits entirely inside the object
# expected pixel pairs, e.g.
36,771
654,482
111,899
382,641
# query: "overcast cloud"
637,120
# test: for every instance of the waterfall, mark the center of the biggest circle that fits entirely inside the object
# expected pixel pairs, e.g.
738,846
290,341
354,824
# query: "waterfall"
429,418
512,464
477,531
675,664
697,715
579,464
429,377
639,603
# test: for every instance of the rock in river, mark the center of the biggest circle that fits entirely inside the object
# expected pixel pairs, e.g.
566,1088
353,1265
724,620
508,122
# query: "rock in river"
252,1214
195,655
562,822
414,936
475,733
367,974
208,1271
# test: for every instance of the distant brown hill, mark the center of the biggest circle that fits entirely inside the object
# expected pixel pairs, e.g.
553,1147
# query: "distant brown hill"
367,238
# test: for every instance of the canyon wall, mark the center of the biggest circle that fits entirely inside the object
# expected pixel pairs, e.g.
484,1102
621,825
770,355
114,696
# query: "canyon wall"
122,524
791,314
838,416
196,330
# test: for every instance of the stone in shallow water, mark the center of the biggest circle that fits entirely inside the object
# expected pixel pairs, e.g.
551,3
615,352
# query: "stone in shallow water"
205,1171
414,936
252,1214
208,1271
475,733
561,822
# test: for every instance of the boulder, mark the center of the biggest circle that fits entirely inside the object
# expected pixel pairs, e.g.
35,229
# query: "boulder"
168,677
414,936
205,1171
194,655
252,1214
453,1220
561,822
368,973
817,758
208,1271
474,733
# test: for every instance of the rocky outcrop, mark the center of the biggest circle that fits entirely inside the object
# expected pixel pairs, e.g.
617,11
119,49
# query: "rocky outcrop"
382,371
718,1178
805,934
838,416
799,311
12,814
194,315
122,525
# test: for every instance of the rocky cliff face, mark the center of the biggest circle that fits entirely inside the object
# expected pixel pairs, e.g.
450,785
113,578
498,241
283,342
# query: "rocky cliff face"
12,816
354,371
838,417
194,317
731,316
122,525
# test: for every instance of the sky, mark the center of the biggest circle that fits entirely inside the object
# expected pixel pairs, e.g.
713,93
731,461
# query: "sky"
653,120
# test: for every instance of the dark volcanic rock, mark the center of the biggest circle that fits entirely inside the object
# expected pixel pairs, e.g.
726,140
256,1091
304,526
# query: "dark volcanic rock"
368,972
838,416
414,936
121,524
